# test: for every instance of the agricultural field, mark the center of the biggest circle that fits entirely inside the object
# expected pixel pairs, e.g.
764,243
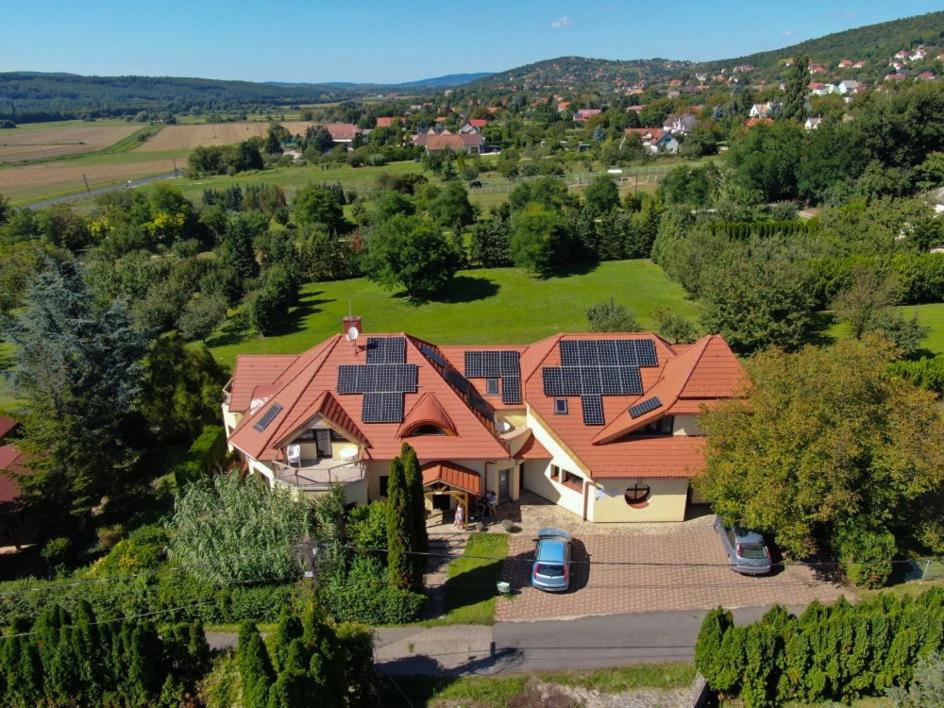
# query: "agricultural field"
45,141
496,305
187,137
25,184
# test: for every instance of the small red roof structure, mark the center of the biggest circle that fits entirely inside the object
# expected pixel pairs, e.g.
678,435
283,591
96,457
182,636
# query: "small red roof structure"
751,122
7,426
342,132
384,121
12,465
478,122
454,475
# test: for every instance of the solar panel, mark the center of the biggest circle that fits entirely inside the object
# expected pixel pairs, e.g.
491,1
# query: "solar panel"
587,350
590,380
650,404
432,354
347,379
608,353
510,364
570,381
406,375
626,352
646,352
592,410
481,405
552,381
365,379
267,418
492,363
475,364
610,381
386,350
458,381
511,389
382,407
568,352
630,381
385,379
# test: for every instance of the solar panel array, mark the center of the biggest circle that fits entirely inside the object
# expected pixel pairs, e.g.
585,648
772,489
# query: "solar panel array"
497,364
459,382
650,404
382,380
386,350
592,368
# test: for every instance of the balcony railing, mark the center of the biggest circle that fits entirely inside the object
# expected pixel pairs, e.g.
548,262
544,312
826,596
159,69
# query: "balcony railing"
321,475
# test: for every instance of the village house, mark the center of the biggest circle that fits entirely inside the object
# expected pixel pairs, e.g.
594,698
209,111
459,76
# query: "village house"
764,110
468,140
679,124
342,133
603,425
817,69
849,86
812,123
584,114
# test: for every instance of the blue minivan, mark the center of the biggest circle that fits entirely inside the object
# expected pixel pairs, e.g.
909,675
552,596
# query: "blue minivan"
551,569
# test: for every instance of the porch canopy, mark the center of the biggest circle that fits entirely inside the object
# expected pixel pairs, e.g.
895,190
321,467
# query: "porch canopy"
443,477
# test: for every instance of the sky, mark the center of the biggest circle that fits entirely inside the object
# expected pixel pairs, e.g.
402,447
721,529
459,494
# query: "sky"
388,41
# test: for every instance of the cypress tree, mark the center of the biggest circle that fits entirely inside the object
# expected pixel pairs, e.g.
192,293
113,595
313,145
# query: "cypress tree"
419,539
794,101
399,528
255,667
62,681
288,629
26,680
145,663
708,655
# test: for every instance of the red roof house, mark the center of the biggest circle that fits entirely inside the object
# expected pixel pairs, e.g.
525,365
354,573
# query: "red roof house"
576,418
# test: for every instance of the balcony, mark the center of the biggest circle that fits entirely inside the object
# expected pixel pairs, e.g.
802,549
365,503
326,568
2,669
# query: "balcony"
317,476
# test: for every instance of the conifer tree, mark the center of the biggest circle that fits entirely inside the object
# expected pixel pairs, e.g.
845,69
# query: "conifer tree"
287,630
794,100
419,539
255,667
399,528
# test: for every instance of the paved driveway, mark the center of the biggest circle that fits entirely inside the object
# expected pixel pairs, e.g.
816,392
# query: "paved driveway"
682,569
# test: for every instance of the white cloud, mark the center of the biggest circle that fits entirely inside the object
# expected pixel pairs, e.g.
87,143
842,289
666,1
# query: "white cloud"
562,23
787,33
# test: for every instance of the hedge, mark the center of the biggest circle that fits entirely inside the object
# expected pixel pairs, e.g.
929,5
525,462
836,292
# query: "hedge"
162,593
829,653
921,275
207,452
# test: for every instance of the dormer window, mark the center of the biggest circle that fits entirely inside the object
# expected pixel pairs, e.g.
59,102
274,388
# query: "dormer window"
662,426
426,430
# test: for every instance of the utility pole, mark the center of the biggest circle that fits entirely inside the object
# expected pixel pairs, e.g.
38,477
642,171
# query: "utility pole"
86,184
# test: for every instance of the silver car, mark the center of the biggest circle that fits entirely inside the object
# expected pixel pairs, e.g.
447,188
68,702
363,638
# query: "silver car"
747,550
551,568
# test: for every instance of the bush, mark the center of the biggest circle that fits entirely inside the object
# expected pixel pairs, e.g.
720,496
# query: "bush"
837,653
57,551
204,457
144,550
926,373
362,594
610,316
367,526
865,553
927,687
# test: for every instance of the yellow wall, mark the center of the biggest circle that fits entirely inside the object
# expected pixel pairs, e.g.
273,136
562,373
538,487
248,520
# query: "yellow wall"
667,502
686,425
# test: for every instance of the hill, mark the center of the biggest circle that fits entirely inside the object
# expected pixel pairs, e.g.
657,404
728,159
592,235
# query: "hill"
445,81
873,43
31,96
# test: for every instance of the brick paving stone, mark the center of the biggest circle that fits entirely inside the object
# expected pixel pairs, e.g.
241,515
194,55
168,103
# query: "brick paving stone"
681,568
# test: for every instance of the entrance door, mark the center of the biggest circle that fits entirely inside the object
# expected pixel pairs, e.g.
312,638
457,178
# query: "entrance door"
504,493
323,442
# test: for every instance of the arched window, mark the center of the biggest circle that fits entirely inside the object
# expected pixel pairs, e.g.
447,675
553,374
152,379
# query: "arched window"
426,429
637,495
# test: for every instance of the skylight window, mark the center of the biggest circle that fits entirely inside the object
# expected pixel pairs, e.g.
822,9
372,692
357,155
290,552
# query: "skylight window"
560,406
267,418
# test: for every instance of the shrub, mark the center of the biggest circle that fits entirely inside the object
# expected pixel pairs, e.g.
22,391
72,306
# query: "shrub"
611,316
205,456
57,551
866,554
926,373
362,594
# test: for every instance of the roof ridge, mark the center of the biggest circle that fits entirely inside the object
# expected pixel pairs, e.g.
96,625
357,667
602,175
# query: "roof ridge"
707,339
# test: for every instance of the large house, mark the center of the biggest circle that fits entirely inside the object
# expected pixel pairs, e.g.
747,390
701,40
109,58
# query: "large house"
468,140
604,425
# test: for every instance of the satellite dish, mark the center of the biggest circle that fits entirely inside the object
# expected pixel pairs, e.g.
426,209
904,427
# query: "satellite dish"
352,334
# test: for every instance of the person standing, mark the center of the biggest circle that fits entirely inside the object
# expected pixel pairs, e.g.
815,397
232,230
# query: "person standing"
459,520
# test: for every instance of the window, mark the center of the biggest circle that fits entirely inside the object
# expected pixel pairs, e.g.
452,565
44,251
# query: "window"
662,426
560,406
383,485
267,418
555,472
491,387
426,430
323,442
573,481
638,494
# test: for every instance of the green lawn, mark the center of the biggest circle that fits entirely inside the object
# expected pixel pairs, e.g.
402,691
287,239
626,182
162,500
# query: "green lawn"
503,690
470,588
499,305
931,316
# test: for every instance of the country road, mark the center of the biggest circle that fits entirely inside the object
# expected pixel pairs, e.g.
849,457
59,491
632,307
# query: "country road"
512,647
103,190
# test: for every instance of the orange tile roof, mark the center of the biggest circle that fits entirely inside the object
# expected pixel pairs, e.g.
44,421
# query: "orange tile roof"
452,474
427,411
7,425
11,466
384,121
687,378
342,131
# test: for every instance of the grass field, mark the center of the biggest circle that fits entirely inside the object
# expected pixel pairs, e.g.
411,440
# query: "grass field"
470,588
504,690
930,316
187,137
44,141
499,305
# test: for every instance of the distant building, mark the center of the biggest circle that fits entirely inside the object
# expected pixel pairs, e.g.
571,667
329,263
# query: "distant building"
926,76
763,110
342,133
469,142
817,69
385,121
849,86
812,123
679,124
751,122
585,114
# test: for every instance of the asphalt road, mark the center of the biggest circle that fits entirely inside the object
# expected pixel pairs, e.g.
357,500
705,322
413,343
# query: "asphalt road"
512,647
102,190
